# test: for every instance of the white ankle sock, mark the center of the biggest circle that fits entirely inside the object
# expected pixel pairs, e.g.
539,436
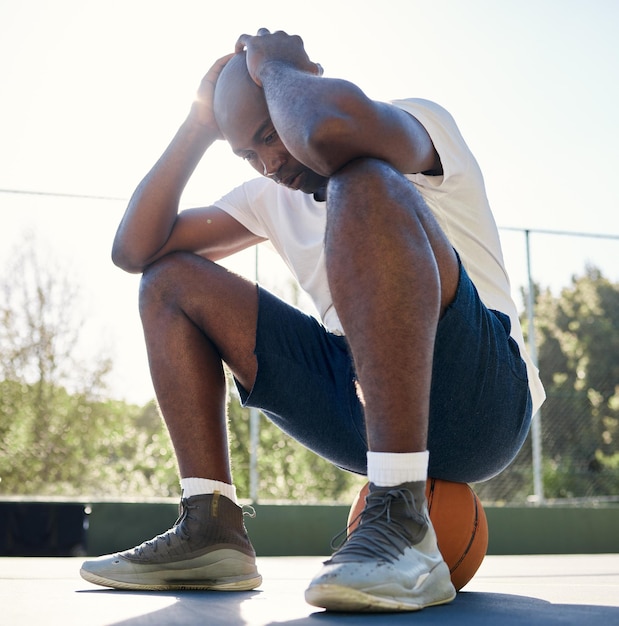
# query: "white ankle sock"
387,469
202,486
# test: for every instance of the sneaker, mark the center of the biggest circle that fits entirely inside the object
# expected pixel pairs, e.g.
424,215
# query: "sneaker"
207,548
390,562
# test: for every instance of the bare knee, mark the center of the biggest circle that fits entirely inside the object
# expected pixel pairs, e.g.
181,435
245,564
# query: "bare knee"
362,169
369,194
165,281
368,197
362,183
370,203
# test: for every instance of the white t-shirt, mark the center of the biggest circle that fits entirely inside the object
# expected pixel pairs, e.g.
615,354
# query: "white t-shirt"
295,225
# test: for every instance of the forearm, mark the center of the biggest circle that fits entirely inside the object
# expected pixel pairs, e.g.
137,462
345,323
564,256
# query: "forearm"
316,118
153,208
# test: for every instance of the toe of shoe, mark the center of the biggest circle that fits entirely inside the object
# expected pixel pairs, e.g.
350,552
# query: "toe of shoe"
104,567
361,587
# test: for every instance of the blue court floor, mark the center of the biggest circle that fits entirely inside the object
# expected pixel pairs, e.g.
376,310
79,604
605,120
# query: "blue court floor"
522,590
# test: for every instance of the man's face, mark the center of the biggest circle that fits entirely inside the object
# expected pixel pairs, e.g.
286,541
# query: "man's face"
245,122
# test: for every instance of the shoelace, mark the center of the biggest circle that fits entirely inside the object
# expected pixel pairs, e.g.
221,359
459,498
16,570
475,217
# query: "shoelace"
248,510
178,529
378,535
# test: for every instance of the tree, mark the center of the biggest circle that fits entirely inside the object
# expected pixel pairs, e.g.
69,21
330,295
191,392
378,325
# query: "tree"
578,352
38,338
579,361
287,470
59,434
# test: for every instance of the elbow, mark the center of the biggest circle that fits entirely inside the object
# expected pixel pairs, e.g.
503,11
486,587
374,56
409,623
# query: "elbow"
334,132
125,261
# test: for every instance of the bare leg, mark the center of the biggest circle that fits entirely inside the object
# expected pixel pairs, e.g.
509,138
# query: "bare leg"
195,315
392,272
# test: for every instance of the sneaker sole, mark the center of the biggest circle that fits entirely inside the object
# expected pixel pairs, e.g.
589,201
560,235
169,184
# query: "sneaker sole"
348,599
229,584
221,570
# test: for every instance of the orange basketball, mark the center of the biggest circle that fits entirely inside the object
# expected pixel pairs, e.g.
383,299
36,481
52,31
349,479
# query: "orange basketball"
459,521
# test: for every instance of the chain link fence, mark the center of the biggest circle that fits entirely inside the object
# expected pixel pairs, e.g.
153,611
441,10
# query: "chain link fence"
567,286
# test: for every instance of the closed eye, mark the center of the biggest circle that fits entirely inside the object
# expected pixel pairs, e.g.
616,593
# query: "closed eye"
270,138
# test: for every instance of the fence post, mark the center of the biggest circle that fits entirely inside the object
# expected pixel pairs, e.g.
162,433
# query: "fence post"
536,435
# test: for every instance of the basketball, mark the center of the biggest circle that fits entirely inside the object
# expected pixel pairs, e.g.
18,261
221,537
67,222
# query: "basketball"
459,521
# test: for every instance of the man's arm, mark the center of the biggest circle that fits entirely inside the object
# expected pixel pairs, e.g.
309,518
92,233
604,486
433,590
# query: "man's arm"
326,123
152,226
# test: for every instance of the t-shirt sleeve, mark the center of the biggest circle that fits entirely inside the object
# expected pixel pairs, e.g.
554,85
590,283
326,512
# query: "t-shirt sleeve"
243,203
456,158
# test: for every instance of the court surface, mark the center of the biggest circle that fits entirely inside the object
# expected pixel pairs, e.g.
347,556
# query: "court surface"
522,590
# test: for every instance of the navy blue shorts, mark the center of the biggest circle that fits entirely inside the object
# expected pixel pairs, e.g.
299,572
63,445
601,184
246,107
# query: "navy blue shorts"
480,406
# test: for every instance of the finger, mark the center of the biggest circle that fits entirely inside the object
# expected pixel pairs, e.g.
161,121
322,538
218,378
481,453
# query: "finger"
263,31
241,42
214,71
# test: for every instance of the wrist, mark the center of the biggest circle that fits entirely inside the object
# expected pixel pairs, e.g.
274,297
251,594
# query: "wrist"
277,69
271,70
202,124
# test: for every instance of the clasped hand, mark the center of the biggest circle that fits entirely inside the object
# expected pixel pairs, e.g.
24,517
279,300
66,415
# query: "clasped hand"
262,48
265,47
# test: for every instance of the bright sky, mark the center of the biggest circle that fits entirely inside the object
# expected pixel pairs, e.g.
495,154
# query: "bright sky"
92,91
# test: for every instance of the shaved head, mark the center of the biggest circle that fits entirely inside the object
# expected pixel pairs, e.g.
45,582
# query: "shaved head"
235,93
244,119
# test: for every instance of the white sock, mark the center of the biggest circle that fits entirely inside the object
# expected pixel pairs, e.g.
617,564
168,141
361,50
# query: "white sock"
388,469
203,486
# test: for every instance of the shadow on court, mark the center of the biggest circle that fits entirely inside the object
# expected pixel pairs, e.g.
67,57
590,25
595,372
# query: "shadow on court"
469,608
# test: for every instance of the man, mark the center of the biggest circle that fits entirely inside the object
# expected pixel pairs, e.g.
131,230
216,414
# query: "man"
373,206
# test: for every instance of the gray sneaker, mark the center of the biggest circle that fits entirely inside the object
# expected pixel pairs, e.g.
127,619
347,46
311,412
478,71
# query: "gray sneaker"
207,548
390,562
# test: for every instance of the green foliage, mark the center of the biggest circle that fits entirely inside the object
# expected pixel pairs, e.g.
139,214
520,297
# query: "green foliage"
61,436
75,446
579,361
577,334
286,470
